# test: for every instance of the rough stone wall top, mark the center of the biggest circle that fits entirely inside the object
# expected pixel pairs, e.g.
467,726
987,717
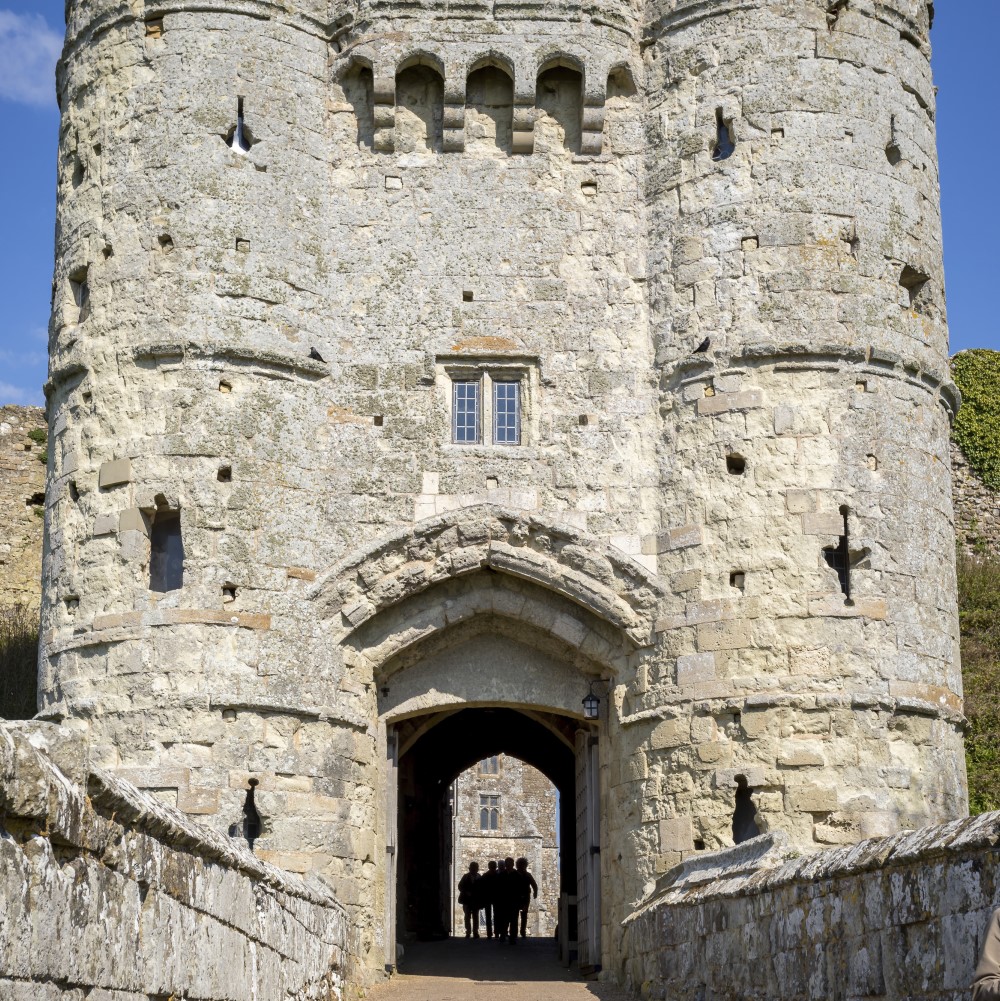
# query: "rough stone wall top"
22,504
891,918
102,886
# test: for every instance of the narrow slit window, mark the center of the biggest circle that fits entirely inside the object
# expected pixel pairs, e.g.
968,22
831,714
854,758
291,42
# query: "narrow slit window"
507,413
80,288
839,558
724,144
240,139
252,825
744,816
166,553
466,408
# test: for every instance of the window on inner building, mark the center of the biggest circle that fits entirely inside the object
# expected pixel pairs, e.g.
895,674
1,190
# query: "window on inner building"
490,766
507,413
489,812
465,412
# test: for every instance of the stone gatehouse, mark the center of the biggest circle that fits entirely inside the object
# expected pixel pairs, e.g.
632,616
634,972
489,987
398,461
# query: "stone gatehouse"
418,371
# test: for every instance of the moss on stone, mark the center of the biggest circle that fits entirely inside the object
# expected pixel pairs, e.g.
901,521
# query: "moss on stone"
977,427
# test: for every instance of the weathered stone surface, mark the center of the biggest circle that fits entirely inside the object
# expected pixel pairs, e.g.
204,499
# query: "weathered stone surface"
287,234
888,918
22,504
108,892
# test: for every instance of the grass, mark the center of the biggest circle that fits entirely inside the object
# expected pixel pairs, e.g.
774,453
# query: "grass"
18,662
979,605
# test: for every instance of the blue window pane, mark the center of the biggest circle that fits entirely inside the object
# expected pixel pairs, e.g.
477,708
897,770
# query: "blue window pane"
465,418
507,413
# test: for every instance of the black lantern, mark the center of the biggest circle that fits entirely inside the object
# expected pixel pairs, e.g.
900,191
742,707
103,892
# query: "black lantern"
591,704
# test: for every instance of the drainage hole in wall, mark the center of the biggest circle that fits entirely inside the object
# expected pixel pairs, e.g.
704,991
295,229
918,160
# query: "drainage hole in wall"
736,464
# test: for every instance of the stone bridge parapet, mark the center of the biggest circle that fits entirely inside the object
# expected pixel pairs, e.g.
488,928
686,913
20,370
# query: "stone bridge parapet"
887,918
107,889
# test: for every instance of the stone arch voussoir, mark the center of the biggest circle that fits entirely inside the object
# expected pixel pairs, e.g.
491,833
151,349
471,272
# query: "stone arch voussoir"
558,558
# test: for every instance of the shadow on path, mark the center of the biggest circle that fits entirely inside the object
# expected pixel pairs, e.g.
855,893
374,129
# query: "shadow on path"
459,969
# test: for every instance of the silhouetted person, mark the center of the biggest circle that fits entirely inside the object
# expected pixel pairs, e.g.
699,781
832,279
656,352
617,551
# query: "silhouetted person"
468,897
487,887
526,886
507,899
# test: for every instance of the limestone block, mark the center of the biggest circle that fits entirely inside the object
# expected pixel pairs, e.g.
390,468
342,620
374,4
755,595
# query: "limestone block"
801,757
822,523
731,635
802,502
686,580
723,403
132,520
696,667
114,473
683,537
669,733
106,524
812,799
834,606
198,801
676,835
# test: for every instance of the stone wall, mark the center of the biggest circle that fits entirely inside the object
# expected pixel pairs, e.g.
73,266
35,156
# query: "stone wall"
889,918
977,507
107,893
22,505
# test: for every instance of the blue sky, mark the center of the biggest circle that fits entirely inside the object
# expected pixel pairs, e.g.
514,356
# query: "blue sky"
967,75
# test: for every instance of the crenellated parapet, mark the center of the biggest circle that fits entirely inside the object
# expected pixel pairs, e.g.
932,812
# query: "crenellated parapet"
523,61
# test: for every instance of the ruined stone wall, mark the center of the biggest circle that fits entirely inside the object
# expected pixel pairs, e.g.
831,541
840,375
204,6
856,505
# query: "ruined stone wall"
977,508
890,918
527,827
106,892
22,505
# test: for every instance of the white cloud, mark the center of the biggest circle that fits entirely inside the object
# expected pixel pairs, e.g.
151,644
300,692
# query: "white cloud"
29,49
24,397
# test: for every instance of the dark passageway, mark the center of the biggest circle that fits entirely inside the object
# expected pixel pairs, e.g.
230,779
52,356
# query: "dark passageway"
434,751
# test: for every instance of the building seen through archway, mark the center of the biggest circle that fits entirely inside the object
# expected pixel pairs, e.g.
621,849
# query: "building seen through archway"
502,807
446,789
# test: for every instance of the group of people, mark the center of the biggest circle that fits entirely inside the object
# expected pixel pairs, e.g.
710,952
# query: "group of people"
503,893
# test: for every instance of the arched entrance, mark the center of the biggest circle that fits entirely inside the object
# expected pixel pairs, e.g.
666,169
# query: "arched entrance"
477,632
427,750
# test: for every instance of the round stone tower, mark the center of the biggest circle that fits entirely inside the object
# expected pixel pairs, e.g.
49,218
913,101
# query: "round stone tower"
418,371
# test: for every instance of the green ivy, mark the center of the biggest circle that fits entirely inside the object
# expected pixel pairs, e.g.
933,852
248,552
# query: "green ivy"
39,436
977,427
